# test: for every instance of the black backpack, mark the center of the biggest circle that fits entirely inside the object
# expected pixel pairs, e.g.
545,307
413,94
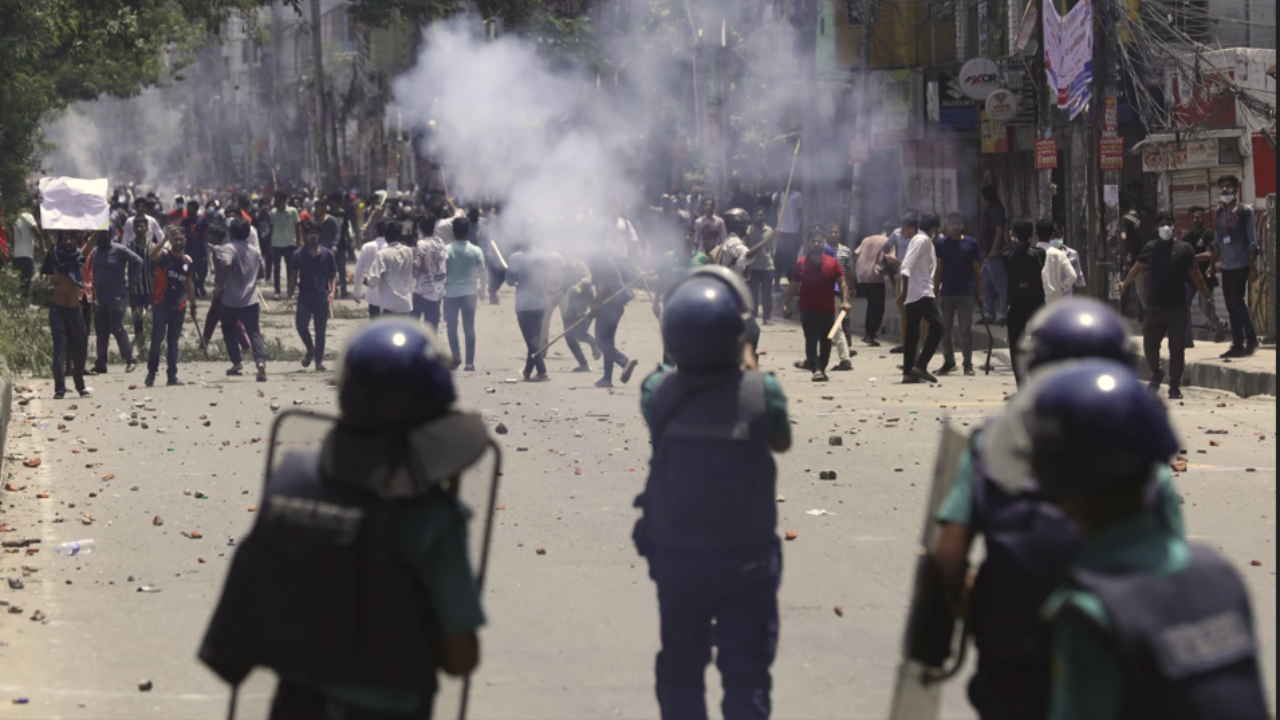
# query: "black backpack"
1023,264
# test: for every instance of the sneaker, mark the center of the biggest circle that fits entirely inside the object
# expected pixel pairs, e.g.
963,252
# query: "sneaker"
910,380
1156,378
766,321
1190,344
1002,322
1220,335
151,380
582,368
604,383
852,352
540,377
924,374
1235,351
872,342
895,350
174,382
1175,393
306,359
235,370
262,373
131,366
469,367
1251,346
844,365
85,392
988,320
968,370
59,395
820,376
276,297
625,377
95,371
321,368
595,352
801,365
947,368
453,366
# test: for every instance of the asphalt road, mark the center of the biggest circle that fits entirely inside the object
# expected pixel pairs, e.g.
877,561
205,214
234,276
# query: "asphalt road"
572,632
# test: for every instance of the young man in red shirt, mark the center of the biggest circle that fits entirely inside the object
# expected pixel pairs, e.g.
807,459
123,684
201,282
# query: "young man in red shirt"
815,279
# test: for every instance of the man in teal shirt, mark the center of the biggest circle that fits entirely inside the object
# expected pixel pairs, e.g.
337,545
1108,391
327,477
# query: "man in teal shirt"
465,262
285,237
1146,626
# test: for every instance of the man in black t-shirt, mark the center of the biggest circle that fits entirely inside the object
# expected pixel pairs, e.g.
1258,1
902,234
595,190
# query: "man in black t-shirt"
1200,238
1023,263
1169,264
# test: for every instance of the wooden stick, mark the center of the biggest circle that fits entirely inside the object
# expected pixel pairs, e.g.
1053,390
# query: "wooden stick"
586,317
782,212
498,252
836,327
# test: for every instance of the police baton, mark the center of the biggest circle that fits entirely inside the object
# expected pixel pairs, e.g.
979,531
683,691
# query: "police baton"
586,317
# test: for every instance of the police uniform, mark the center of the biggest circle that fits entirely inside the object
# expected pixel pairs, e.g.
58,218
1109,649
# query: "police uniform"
1146,626
356,571
709,528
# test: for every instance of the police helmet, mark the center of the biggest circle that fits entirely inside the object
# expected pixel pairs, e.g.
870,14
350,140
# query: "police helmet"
1094,427
1075,328
736,221
394,373
704,322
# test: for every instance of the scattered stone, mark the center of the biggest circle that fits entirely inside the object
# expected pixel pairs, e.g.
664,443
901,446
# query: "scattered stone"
1222,404
145,685
148,588
522,449
541,551
1179,466
157,521
15,584
792,535
38,616
253,509
31,462
10,487
835,441
1214,443
839,611
1251,469
1256,563
577,471
109,476
827,475
43,495
201,496
490,391
501,429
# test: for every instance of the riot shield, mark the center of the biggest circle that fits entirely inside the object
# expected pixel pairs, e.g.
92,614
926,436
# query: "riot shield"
295,430
930,630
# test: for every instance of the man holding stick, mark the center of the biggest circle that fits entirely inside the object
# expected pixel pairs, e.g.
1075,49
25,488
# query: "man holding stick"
814,280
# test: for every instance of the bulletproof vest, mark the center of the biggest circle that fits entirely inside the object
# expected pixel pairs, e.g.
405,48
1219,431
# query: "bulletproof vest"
712,479
1023,268
316,593
1185,641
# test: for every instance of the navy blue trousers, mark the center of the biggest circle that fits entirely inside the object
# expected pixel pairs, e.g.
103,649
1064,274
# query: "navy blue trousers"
738,590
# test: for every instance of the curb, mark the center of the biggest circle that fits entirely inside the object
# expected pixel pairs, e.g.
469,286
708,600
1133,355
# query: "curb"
6,412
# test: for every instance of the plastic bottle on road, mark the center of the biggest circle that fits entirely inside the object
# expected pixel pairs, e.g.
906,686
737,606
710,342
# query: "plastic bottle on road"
76,547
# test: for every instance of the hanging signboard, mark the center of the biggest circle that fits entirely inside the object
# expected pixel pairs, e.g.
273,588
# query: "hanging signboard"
1111,153
859,152
956,110
1047,154
1110,118
1068,47
1190,154
979,78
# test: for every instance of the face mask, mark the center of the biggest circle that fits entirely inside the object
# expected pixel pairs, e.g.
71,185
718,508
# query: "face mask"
1055,242
1166,232
1228,197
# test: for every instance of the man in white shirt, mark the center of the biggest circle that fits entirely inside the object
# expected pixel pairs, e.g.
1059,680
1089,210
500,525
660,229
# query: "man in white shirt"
391,272
431,260
1058,275
916,296
368,252
24,235
154,235
898,243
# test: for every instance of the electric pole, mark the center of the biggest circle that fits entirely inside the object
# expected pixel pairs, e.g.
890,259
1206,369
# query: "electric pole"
807,26
1106,226
861,127
319,134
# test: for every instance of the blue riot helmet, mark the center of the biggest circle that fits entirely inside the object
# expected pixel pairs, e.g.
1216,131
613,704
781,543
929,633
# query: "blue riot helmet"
704,321
1075,328
393,374
1095,427
736,222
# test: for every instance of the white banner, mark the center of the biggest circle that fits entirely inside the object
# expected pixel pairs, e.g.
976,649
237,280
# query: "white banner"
1068,54
74,204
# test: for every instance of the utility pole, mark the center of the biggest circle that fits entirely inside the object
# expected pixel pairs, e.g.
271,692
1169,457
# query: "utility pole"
319,134
808,48
1106,226
862,125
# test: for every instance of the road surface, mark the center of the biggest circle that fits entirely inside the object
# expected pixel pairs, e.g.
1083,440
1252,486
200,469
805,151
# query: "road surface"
573,632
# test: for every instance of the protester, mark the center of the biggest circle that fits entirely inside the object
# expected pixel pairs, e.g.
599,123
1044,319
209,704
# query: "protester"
1058,275
1235,243
814,280
575,304
465,262
1024,267
390,275
342,248
142,277
761,280
173,289
25,232
837,247
216,237
236,283
65,263
1200,239
916,296
140,218
612,293
995,285
528,272
960,272
790,209
709,227
110,263
313,275
284,236
899,241
491,244
1170,264
195,227
1136,229
870,270
431,259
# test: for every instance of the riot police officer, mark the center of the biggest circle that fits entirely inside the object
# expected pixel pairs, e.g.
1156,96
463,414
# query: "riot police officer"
1146,626
709,523
354,584
1028,541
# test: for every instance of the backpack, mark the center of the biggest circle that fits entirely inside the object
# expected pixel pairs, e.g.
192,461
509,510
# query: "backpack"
1023,265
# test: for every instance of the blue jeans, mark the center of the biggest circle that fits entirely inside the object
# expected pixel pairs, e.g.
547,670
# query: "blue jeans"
248,317
428,311
530,322
738,590
995,283
313,312
466,306
166,327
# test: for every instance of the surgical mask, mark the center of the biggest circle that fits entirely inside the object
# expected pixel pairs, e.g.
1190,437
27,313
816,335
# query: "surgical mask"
1228,197
1166,232
1055,242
